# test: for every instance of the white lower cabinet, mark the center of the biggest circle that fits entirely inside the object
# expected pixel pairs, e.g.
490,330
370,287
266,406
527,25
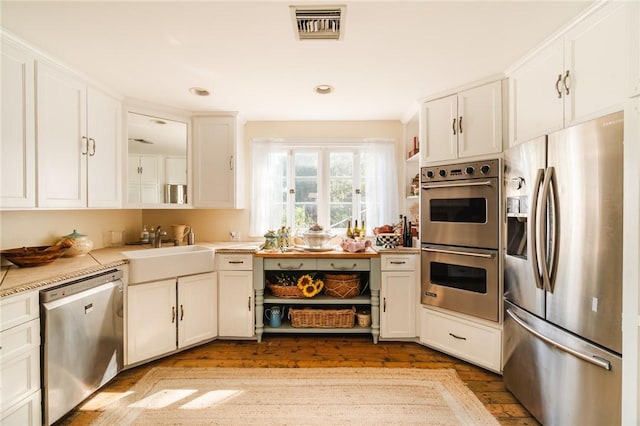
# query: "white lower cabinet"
170,314
477,343
236,305
197,309
398,296
20,360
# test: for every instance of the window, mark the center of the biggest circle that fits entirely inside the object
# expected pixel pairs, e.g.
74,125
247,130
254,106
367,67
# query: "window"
298,185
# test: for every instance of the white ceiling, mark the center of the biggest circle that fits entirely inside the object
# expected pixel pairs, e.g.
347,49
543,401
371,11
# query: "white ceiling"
247,55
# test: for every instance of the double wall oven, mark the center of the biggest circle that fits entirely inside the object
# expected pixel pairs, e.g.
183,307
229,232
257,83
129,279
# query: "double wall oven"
459,227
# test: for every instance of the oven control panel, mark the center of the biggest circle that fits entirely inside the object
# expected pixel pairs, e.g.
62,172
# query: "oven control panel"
459,171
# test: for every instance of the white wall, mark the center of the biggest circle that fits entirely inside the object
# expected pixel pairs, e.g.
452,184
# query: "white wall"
44,227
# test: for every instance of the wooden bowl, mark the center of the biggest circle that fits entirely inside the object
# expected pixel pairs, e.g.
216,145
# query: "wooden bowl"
33,256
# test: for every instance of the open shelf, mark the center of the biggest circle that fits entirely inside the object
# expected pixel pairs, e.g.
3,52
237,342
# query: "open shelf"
319,300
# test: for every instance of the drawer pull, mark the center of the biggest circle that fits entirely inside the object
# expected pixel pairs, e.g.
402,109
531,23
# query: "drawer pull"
249,304
290,266
237,262
343,268
397,262
457,337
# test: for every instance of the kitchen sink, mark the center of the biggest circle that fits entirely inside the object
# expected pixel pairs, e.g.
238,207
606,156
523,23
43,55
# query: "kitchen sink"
168,262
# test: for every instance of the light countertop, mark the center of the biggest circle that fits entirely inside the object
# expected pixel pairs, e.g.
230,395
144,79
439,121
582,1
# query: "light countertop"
15,279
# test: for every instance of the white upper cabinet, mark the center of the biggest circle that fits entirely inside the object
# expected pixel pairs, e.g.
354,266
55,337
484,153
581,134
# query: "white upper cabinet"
465,124
216,160
585,72
104,126
17,149
78,142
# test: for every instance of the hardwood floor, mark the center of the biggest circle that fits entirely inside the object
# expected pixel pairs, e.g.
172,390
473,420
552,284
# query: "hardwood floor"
317,351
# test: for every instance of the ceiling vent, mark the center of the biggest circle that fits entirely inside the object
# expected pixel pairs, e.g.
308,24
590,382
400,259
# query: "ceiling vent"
318,22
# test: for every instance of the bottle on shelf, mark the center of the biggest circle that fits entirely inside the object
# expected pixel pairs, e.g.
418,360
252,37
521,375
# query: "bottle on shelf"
356,230
409,242
405,232
144,235
349,231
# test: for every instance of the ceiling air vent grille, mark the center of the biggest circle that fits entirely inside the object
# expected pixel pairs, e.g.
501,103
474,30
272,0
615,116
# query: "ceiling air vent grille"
318,23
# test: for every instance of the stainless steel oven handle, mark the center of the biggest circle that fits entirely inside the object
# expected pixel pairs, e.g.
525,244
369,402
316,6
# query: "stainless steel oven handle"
461,253
456,185
603,363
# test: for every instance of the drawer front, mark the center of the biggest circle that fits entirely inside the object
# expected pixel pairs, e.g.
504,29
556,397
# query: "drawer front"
20,376
25,413
290,264
473,342
401,262
20,338
235,262
18,309
343,265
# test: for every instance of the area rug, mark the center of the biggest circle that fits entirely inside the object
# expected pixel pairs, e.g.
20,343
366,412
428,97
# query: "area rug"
297,396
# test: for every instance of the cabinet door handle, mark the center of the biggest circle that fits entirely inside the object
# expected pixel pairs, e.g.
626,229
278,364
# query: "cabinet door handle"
86,145
384,304
249,304
566,82
457,337
93,146
173,314
231,162
558,86
343,268
290,266
181,312
453,125
460,124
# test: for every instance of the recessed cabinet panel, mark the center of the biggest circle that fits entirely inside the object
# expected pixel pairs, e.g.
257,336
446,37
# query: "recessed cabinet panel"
215,162
152,318
197,309
61,130
17,152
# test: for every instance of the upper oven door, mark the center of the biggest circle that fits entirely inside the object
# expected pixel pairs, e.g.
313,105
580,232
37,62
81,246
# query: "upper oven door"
460,213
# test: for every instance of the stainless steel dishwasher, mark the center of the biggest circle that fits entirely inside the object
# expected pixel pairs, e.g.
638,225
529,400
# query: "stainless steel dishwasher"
82,340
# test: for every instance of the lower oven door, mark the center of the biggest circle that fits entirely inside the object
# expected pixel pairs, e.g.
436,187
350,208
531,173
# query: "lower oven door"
460,279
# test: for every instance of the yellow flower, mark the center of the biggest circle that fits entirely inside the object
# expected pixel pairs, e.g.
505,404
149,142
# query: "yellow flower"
309,290
319,285
305,281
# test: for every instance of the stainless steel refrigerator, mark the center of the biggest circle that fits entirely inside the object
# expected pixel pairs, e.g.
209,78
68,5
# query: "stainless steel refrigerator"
563,274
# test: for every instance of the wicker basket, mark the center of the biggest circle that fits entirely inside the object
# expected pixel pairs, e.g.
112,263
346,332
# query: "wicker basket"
322,318
286,291
342,285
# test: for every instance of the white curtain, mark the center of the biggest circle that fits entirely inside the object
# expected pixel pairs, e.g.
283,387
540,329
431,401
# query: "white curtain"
266,189
381,173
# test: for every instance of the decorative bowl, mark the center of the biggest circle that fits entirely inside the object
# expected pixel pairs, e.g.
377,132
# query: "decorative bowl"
33,256
353,246
317,239
79,244
388,240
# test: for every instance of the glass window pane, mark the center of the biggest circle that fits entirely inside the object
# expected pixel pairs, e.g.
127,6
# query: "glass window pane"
306,214
341,164
306,164
341,190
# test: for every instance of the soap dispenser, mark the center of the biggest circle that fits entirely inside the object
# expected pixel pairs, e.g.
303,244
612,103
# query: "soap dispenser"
191,237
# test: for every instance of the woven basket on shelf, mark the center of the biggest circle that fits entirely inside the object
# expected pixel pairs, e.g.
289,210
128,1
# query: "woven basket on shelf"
287,291
322,318
342,285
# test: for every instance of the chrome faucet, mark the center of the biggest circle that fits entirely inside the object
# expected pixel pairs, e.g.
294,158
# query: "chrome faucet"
159,233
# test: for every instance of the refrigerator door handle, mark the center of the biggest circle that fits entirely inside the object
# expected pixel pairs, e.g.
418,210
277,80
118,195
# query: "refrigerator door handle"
554,231
532,229
595,360
542,229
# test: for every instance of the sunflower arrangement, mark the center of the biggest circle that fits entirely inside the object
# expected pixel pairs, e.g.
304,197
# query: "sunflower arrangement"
309,286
